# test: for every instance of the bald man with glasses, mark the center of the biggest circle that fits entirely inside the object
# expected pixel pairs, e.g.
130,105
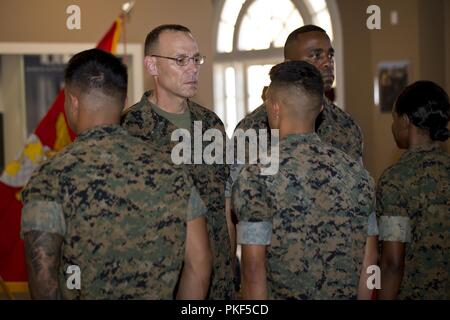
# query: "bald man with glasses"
173,60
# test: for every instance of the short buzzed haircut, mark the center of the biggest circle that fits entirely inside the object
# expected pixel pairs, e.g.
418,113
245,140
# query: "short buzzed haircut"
299,77
151,41
96,69
292,38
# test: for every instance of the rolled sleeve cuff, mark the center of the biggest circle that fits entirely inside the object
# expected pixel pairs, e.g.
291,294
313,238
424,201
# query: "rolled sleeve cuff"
254,232
43,216
372,229
395,228
196,206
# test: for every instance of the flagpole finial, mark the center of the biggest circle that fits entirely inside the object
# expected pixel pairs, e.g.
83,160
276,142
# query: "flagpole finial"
127,7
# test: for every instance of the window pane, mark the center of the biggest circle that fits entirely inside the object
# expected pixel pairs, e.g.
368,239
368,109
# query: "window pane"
268,23
317,5
44,77
228,17
225,37
254,33
293,22
231,10
257,78
323,20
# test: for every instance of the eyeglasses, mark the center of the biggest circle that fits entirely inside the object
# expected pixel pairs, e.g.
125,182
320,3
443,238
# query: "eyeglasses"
184,60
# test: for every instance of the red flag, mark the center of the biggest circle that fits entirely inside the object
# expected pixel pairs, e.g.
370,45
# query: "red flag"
50,136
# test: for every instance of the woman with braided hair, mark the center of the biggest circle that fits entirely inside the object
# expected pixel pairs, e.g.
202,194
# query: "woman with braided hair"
413,199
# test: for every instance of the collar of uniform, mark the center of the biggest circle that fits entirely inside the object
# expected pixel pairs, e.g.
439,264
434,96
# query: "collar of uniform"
419,150
302,138
100,131
145,101
327,106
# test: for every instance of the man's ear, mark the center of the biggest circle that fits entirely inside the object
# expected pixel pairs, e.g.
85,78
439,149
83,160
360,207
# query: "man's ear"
150,65
404,121
276,113
75,106
276,110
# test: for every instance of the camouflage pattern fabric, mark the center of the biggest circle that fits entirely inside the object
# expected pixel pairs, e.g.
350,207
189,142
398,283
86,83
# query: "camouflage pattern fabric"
120,207
141,121
413,205
334,126
317,207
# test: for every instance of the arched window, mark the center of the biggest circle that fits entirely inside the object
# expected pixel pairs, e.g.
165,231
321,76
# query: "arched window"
250,35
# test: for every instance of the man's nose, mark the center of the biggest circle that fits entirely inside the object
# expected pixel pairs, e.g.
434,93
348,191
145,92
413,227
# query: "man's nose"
329,61
192,66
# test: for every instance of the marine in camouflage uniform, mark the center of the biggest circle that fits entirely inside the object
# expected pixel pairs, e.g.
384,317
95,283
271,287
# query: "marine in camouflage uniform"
334,126
143,122
413,204
121,208
314,216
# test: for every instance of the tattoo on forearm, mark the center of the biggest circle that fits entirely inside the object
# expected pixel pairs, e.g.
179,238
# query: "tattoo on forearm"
42,251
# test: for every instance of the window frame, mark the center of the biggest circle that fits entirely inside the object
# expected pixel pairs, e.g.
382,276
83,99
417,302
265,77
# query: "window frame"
241,59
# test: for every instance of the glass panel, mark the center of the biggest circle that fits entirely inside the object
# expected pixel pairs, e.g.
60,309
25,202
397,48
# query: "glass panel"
323,20
231,10
257,78
271,21
225,37
317,5
255,33
44,77
293,22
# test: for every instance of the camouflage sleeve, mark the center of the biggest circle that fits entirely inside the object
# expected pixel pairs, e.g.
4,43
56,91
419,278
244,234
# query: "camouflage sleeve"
42,210
196,206
367,202
357,141
222,170
252,207
236,166
235,169
392,210
353,143
372,229
45,216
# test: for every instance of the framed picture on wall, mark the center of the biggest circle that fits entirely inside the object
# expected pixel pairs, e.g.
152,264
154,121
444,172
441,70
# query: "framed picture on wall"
392,78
